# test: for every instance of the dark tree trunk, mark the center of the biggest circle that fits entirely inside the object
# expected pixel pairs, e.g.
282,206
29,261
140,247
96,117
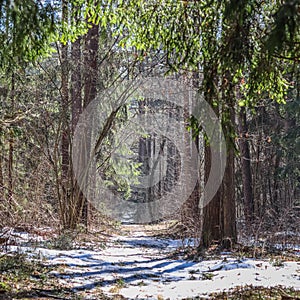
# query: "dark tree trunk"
211,230
90,91
11,146
65,134
65,100
246,167
228,208
190,211
76,98
76,88
219,215
91,64
1,171
228,214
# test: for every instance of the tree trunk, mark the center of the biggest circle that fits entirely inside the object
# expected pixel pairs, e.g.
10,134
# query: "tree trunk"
1,170
246,167
190,212
219,215
228,209
91,64
90,91
228,213
65,100
11,146
211,230
65,133
76,89
76,98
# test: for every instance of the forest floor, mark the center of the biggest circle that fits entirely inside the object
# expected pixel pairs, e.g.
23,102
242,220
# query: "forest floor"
136,263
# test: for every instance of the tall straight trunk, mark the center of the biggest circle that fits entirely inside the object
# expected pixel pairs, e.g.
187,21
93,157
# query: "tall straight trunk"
211,229
3,92
256,179
90,91
65,135
91,64
76,100
1,171
65,100
219,214
76,88
228,203
228,208
228,214
65,118
190,212
11,146
246,167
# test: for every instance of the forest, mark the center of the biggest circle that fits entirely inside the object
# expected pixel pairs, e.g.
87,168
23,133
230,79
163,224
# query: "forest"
150,149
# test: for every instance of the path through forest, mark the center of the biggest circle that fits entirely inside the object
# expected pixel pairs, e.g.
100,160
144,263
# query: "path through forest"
136,265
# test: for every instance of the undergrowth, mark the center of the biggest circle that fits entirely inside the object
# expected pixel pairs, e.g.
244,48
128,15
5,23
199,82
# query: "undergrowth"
23,279
254,293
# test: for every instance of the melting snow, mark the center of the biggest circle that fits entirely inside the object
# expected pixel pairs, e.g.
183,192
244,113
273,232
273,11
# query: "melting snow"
139,264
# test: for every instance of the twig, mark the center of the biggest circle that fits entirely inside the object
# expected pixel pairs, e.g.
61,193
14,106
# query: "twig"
46,293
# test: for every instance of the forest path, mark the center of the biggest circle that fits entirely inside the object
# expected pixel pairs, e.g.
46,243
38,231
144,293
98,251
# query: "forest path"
134,264
131,260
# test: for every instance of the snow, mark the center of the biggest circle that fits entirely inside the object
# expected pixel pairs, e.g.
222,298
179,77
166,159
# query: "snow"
139,266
